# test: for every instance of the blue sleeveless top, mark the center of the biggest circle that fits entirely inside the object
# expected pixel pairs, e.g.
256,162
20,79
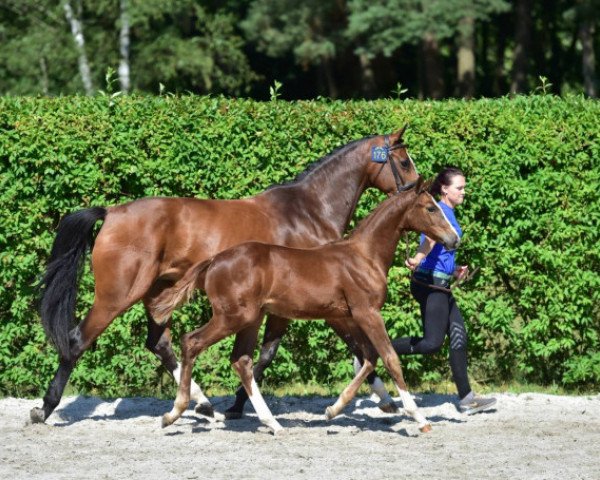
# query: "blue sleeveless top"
439,259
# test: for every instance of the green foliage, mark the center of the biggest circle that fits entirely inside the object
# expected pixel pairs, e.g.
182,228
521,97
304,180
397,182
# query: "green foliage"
531,223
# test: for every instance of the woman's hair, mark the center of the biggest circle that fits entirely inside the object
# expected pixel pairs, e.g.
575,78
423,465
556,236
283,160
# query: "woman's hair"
444,178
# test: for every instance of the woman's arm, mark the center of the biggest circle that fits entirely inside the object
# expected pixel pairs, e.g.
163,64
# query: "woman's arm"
422,252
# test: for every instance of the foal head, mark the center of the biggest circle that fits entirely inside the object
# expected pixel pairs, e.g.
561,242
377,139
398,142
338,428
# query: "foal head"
425,215
391,167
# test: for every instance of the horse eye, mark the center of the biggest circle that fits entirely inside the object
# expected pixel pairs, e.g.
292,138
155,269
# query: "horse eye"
431,209
405,163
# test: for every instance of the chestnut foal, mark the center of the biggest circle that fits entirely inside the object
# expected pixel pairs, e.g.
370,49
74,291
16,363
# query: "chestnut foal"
344,281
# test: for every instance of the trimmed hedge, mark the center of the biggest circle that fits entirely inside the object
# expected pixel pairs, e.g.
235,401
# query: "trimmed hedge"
531,223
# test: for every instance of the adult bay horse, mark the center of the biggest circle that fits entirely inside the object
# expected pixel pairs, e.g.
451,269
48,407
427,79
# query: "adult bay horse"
145,246
348,288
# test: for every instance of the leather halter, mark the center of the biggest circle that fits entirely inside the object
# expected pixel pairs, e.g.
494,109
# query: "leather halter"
382,155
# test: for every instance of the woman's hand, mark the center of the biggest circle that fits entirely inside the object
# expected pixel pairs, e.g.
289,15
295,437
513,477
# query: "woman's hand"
412,263
461,272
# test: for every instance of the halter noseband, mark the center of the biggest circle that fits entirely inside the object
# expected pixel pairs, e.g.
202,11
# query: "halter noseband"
382,155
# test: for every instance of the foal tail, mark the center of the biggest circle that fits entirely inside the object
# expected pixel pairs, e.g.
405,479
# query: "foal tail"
58,287
181,292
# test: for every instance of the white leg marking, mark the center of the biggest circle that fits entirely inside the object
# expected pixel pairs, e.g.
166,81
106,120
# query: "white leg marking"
262,410
411,407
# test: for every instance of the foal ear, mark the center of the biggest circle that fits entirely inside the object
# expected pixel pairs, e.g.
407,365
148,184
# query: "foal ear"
396,137
424,185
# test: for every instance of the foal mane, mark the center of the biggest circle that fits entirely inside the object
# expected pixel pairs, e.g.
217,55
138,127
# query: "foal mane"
310,169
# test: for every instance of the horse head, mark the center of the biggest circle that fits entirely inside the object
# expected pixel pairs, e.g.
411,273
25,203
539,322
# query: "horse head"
390,167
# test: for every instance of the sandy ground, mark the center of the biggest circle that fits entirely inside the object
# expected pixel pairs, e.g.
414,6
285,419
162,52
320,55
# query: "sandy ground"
528,436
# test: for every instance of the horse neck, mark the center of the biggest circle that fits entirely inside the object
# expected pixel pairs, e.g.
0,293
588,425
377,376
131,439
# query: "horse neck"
379,233
328,195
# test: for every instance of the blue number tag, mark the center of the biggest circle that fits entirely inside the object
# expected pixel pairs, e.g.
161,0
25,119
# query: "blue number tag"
379,154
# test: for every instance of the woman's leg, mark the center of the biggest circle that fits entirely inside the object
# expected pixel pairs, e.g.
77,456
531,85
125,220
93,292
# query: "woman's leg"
434,315
458,349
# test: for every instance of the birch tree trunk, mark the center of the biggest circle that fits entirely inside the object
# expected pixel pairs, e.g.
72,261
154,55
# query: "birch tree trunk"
466,57
77,32
124,42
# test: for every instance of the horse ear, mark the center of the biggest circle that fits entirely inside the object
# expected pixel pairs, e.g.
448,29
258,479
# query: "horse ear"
424,185
419,185
396,137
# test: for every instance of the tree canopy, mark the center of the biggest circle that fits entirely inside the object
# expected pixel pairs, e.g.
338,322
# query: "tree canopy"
334,48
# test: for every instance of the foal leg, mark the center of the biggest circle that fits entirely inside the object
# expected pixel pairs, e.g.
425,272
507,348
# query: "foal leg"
369,360
274,331
241,359
386,402
374,328
159,343
195,342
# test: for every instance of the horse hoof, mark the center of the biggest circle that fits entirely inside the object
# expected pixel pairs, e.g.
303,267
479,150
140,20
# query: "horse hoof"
233,415
280,432
389,407
329,413
166,420
37,415
425,428
205,409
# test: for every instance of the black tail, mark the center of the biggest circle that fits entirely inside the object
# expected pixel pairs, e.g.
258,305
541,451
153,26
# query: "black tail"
58,287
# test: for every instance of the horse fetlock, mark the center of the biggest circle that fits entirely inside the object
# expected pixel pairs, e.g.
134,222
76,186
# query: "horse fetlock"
205,409
388,406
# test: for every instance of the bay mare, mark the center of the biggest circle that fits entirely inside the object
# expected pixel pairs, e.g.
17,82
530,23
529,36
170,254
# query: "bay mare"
348,288
145,246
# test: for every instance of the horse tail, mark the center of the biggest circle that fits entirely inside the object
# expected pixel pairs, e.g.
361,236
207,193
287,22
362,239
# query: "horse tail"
181,292
58,287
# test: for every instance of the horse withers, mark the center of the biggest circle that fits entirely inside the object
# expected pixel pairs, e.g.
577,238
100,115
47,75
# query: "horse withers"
348,288
144,247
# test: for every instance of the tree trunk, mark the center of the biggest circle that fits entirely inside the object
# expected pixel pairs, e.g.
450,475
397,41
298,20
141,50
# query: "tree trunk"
434,74
367,76
522,46
586,37
329,78
44,79
466,57
77,32
124,42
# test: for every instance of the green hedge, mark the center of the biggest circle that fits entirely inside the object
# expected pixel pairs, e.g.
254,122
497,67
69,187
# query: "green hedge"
530,222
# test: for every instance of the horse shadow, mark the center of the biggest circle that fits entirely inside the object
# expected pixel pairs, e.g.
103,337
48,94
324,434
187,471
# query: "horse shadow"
100,409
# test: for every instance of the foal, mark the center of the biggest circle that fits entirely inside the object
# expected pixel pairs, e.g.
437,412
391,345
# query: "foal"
344,281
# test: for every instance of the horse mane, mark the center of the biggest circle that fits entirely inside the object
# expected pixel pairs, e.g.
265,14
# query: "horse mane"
340,151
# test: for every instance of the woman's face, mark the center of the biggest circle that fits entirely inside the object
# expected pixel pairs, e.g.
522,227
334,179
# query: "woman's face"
454,194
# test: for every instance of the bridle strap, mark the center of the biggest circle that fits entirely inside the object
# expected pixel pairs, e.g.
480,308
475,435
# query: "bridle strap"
400,187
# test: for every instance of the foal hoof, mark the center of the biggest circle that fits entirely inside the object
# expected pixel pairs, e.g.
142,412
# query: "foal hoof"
166,420
425,428
389,407
37,415
330,413
205,409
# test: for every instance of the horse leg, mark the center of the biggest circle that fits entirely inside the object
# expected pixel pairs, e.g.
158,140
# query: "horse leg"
80,338
159,342
274,331
386,402
120,282
192,344
241,360
373,327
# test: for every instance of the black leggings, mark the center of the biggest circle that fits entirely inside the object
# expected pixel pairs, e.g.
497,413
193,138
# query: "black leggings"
440,316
